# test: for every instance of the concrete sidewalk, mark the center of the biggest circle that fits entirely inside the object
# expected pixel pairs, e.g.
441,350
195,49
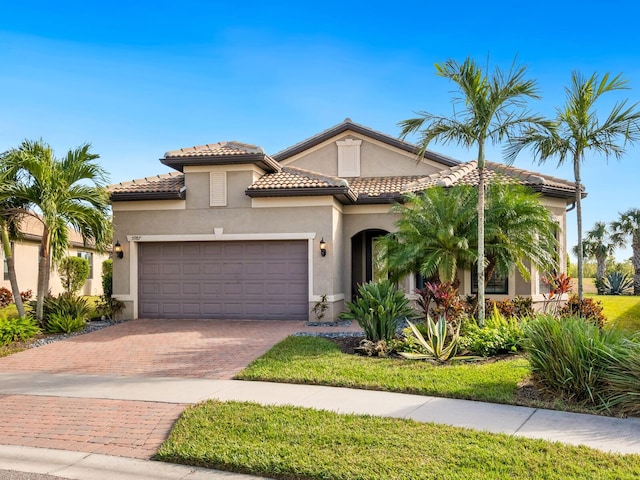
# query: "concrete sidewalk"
604,433
46,464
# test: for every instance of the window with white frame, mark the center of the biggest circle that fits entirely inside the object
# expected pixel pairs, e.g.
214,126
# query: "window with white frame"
88,256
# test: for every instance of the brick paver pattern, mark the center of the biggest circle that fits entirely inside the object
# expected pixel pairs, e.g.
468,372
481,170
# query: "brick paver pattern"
154,348
111,427
167,348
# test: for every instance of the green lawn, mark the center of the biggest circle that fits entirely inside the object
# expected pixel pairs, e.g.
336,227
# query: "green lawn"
296,443
621,310
318,361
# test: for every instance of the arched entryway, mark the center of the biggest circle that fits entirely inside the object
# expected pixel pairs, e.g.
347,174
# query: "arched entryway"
367,258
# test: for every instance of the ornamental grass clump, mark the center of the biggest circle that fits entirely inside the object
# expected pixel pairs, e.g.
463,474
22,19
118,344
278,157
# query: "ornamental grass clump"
622,381
379,308
569,357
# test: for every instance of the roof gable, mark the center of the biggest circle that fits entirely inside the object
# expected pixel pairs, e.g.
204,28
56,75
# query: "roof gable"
348,125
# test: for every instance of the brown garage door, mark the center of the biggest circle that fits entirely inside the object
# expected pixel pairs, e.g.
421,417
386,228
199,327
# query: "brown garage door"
229,280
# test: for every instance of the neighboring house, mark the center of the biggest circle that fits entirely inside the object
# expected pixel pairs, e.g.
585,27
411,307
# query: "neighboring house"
235,233
26,252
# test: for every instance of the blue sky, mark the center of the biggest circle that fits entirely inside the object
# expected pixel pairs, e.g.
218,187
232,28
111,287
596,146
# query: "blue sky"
136,79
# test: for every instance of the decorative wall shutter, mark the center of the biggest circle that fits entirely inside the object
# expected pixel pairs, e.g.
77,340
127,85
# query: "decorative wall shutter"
218,189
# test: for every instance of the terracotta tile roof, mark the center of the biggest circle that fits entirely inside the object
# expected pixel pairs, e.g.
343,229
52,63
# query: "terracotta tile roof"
292,177
381,186
216,149
169,185
467,174
32,228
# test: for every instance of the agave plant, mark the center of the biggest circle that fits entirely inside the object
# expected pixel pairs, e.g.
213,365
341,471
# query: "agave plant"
435,345
618,283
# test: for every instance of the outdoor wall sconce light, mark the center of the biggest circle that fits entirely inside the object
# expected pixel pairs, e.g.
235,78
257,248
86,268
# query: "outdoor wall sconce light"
323,247
117,248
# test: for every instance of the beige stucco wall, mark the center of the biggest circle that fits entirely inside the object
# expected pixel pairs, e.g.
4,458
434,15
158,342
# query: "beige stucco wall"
377,159
26,261
319,216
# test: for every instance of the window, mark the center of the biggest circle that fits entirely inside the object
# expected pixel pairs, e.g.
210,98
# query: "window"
6,269
496,284
88,256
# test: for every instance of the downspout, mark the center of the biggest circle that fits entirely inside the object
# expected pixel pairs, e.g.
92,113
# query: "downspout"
573,205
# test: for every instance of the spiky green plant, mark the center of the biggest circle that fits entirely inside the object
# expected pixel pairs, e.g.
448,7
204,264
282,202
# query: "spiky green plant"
437,345
63,323
622,382
617,283
378,309
569,356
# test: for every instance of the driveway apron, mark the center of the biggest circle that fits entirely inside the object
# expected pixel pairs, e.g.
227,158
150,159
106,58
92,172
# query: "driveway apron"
214,349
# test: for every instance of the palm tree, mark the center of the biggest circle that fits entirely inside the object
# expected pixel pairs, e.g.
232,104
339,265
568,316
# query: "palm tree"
493,107
519,230
628,226
60,193
577,130
600,245
435,232
11,214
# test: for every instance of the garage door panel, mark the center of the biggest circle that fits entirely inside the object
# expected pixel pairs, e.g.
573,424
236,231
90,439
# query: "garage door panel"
191,308
191,268
236,280
254,268
171,289
170,269
234,268
191,288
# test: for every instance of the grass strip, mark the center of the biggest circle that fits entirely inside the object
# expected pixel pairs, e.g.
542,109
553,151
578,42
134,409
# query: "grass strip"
622,311
318,361
286,442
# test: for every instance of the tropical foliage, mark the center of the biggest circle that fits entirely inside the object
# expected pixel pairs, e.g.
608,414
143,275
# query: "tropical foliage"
438,345
577,130
598,244
436,232
61,194
625,228
490,108
378,309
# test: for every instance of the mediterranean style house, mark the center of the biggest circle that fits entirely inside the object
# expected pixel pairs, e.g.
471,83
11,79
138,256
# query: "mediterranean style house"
236,233
27,249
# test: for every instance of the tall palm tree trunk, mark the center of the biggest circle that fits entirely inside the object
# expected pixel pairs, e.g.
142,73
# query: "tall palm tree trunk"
601,266
635,259
481,191
11,267
576,171
43,277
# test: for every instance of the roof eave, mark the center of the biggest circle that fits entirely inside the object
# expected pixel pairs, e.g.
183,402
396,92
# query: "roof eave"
261,160
137,196
344,194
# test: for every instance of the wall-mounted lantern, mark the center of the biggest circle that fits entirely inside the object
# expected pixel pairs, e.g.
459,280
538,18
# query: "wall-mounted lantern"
323,247
117,249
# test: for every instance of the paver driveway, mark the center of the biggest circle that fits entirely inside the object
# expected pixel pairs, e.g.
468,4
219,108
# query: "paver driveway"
144,348
185,348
